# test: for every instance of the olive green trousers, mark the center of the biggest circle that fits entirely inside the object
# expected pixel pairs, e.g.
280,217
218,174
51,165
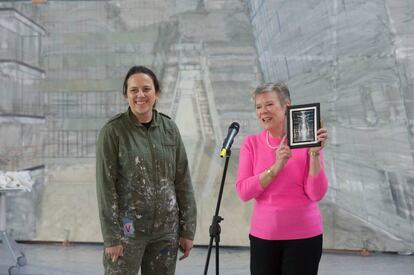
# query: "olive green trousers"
154,255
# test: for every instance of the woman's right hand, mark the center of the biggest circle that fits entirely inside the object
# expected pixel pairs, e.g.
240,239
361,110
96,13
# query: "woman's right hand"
283,154
114,252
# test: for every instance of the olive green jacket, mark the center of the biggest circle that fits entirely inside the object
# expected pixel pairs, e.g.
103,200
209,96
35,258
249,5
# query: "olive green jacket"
142,176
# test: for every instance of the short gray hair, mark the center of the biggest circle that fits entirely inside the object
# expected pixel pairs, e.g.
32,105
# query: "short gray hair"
279,88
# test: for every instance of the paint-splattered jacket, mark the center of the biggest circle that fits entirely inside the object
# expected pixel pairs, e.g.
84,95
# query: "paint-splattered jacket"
142,176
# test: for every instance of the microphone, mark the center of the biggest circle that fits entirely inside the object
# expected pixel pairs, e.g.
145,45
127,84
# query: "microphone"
228,141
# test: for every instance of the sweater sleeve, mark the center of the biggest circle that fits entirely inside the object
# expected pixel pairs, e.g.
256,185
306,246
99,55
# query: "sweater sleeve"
247,184
316,186
106,178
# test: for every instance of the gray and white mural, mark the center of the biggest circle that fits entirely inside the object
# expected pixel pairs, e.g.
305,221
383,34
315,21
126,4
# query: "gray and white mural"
209,56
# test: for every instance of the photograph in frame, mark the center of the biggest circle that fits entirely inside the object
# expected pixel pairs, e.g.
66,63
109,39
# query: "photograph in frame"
303,122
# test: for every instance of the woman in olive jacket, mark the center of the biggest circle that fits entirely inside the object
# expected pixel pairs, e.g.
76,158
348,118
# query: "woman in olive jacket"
145,196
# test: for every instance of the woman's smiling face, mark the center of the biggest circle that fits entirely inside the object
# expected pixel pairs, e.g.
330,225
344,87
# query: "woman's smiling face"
141,96
269,111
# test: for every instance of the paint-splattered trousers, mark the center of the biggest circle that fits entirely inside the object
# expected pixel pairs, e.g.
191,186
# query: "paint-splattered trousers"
153,254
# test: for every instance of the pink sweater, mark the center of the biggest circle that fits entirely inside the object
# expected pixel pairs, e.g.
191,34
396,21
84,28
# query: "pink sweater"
287,209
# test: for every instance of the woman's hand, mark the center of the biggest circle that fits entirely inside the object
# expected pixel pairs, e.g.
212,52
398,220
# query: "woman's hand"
114,252
315,165
283,154
185,246
322,136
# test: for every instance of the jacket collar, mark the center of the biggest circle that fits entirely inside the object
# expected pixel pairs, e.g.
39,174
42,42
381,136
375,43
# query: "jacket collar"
133,120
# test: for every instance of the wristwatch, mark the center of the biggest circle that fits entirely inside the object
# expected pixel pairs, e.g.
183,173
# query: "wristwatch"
269,172
313,154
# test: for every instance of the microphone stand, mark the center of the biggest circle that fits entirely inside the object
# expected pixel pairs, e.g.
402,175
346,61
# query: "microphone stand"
215,228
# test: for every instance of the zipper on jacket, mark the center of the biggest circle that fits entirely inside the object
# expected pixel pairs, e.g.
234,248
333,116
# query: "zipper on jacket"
154,176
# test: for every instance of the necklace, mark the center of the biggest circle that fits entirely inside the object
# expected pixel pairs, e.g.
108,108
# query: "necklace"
268,143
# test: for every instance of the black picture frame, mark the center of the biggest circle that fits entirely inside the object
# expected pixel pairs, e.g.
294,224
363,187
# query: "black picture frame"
303,121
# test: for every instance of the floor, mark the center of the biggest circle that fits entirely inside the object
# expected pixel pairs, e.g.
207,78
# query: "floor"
85,259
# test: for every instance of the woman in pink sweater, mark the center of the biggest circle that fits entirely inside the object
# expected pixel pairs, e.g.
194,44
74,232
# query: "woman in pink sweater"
286,225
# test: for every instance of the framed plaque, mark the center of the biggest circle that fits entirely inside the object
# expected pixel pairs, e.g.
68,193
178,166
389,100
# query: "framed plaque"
303,121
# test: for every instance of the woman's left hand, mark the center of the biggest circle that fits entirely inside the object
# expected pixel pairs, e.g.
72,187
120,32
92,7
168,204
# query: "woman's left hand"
185,246
322,136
